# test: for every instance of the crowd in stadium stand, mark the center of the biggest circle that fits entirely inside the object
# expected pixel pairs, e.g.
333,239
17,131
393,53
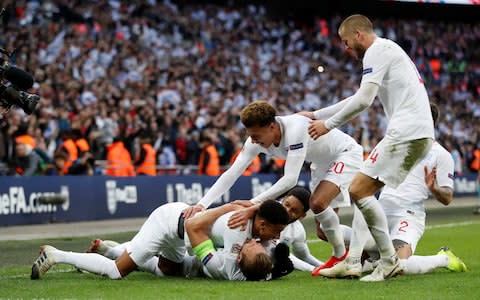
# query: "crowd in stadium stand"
121,72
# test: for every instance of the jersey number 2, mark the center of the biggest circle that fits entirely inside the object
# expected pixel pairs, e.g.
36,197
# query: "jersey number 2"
403,226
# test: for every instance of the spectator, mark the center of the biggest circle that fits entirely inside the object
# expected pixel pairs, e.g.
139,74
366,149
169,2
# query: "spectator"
190,70
209,162
146,162
166,158
56,167
27,162
119,161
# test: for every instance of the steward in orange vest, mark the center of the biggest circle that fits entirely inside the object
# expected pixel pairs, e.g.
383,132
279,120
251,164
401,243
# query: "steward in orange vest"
209,162
69,147
146,162
119,161
475,164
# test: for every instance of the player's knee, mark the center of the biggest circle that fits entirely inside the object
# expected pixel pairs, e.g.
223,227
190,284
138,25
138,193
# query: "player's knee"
356,192
318,204
403,249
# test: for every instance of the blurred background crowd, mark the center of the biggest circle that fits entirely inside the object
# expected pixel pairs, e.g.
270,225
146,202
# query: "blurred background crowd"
152,87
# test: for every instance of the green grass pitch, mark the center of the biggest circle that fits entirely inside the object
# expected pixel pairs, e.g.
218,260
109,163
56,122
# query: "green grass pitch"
457,228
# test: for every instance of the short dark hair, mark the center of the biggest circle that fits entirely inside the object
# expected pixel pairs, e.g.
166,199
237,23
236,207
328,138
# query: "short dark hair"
273,212
257,269
302,194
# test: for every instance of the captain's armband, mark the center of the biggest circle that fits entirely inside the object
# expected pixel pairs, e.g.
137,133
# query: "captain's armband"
204,251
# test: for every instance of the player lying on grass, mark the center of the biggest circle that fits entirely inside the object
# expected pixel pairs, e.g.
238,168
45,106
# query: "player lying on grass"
334,158
405,211
296,202
162,235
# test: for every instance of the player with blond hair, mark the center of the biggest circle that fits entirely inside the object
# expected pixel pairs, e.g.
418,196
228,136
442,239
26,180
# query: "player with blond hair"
389,73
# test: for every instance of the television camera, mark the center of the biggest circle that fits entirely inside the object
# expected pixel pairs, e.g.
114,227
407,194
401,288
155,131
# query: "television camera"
13,85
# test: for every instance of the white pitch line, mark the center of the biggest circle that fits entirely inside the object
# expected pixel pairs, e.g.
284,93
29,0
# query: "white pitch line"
447,225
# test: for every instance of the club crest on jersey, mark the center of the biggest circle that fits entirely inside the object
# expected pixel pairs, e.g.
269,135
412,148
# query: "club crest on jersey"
367,70
296,146
236,248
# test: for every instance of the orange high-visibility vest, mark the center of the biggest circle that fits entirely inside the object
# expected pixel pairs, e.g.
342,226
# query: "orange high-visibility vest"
82,145
119,161
254,166
72,151
475,164
149,165
280,163
213,164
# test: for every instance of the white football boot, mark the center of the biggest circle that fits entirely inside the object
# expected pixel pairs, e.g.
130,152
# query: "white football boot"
44,262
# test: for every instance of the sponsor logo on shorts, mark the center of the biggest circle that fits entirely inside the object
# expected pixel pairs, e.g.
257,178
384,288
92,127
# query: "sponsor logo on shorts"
296,146
367,70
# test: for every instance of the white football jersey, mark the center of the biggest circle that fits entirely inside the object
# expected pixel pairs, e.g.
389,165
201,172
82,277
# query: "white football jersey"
296,146
401,90
408,197
224,237
296,141
222,264
295,236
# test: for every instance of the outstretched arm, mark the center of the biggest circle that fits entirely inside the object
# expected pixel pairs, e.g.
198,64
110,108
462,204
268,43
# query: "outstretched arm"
357,103
198,226
350,108
293,166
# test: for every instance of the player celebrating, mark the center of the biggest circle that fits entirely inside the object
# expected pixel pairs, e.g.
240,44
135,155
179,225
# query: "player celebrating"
162,234
405,211
296,203
390,73
335,158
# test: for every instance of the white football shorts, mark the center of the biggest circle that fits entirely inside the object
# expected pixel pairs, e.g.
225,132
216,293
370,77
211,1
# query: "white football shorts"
408,228
158,236
340,172
391,161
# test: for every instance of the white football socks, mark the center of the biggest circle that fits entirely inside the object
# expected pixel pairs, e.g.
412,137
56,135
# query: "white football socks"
359,236
151,266
115,252
424,264
377,223
91,262
330,225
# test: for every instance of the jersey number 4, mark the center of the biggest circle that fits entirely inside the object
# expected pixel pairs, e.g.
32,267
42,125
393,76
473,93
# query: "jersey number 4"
373,156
